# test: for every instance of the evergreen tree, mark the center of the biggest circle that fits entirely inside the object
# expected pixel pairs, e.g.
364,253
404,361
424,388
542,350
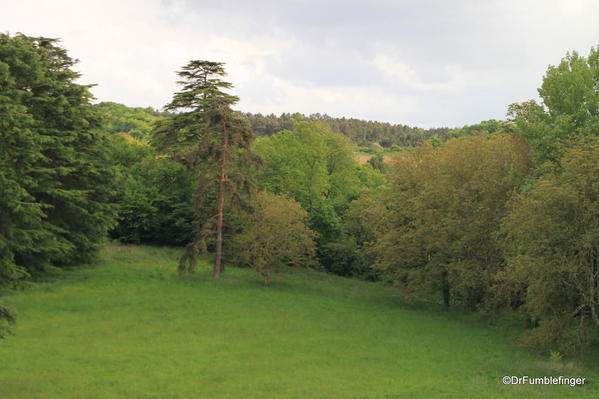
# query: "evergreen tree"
209,135
55,191
55,196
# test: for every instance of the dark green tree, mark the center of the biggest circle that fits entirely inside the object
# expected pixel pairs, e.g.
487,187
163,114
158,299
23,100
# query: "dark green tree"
208,135
155,195
377,161
363,133
55,186
7,317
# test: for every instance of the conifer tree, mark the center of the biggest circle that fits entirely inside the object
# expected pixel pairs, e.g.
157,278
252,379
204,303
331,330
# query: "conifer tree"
220,151
55,190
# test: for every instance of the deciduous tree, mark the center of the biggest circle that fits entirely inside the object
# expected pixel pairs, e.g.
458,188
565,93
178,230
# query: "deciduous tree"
275,235
570,107
550,237
447,203
317,168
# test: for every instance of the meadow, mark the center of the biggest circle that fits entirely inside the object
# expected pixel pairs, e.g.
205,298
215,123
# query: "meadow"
128,327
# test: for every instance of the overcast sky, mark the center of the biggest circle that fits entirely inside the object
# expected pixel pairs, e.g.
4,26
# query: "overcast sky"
417,62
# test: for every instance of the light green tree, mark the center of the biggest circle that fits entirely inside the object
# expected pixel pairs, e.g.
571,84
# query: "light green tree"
118,118
315,167
310,163
569,109
275,235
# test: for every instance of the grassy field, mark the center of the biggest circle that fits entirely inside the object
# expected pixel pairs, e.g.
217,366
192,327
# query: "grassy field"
128,327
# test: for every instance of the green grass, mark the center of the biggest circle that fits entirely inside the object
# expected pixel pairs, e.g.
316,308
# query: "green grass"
128,327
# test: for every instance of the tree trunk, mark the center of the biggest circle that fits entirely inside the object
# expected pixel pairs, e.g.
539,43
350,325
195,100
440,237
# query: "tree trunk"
266,282
594,272
445,289
218,266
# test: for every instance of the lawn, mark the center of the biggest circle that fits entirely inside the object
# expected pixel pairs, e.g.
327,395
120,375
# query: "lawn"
128,327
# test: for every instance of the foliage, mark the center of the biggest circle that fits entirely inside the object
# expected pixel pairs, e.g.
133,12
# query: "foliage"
136,122
57,191
377,161
570,107
311,164
446,203
365,221
371,180
21,216
7,317
275,235
490,126
317,168
550,237
155,195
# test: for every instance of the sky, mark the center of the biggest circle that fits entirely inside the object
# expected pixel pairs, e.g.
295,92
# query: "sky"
426,63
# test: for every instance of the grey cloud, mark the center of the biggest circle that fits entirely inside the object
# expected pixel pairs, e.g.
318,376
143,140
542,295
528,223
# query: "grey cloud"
428,62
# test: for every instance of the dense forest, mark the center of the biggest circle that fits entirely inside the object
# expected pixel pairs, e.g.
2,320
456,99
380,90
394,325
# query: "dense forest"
497,218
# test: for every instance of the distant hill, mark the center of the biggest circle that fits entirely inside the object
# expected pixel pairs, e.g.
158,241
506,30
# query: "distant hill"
363,133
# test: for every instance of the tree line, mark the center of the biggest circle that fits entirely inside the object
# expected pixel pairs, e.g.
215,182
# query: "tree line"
138,123
361,132
497,217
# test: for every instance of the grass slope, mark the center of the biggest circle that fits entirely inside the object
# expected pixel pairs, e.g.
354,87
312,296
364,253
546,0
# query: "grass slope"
128,327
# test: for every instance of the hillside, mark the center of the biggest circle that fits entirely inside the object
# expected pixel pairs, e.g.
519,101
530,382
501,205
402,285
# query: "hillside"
129,327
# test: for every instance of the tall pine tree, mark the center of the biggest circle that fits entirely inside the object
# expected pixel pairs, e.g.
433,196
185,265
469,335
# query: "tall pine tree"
216,140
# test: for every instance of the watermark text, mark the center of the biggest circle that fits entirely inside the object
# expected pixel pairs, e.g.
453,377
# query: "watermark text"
547,380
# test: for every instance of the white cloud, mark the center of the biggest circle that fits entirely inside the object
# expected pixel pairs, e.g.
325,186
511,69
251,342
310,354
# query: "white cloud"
397,70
